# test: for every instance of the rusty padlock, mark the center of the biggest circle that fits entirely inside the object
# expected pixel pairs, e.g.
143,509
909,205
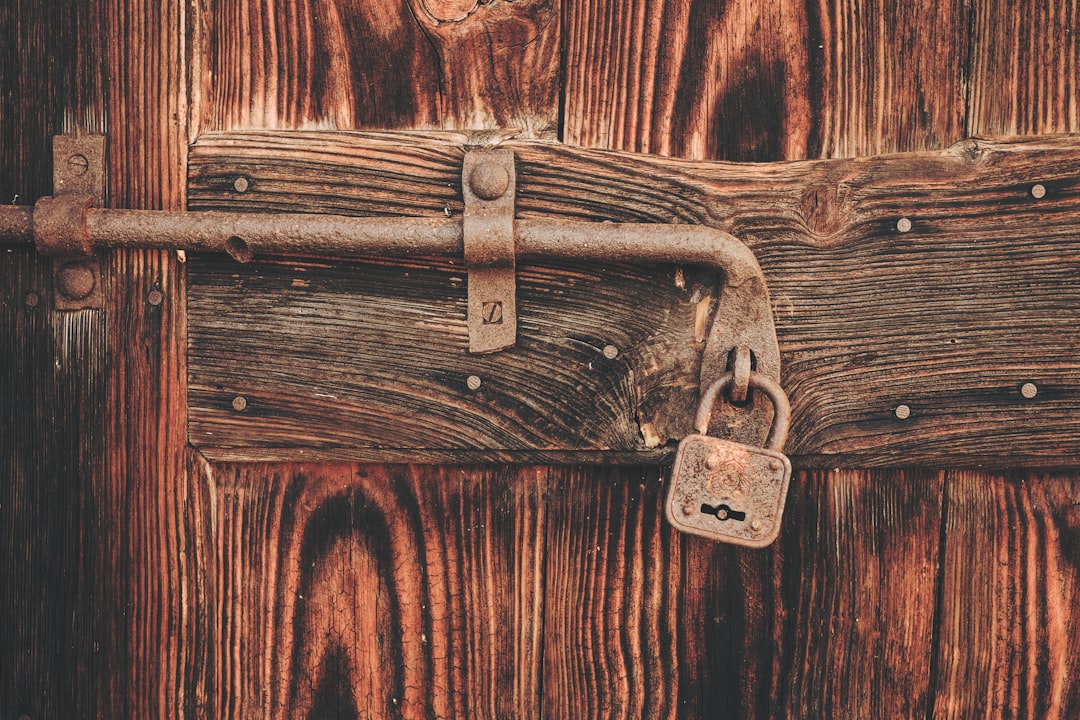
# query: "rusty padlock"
725,490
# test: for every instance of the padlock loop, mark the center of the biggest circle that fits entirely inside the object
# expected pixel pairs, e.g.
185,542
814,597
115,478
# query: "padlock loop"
782,408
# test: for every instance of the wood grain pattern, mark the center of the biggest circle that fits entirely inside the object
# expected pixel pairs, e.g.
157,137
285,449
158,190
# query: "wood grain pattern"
52,388
51,401
154,582
1024,77
757,81
836,619
380,65
377,591
1009,619
949,319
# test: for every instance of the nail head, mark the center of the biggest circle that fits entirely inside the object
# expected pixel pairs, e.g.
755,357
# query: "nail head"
903,412
239,403
155,297
32,299
611,352
1029,390
755,525
473,382
489,180
75,281
903,224
1038,191
241,184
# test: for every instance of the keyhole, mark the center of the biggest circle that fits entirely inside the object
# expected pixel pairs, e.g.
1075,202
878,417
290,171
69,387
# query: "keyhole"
723,512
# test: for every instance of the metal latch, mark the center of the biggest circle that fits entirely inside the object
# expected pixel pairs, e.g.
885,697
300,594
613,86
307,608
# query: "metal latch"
72,225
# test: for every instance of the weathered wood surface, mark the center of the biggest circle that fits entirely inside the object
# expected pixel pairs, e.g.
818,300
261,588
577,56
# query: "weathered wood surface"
417,63
96,498
950,318
755,81
368,591
1008,623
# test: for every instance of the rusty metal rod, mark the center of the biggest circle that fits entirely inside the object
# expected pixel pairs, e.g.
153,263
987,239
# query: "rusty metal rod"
244,235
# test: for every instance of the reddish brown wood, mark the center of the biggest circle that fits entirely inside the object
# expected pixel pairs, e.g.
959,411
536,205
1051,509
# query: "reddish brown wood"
1023,78
379,65
1009,620
377,591
765,81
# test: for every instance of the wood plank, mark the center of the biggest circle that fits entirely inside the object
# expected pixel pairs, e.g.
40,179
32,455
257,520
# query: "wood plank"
835,619
1009,623
52,387
153,581
406,64
949,319
377,591
1024,77
758,81
51,403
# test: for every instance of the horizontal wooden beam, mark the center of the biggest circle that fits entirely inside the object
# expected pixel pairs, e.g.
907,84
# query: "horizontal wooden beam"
927,307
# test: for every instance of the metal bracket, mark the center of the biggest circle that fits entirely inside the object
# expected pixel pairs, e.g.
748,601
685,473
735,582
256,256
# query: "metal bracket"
79,179
488,186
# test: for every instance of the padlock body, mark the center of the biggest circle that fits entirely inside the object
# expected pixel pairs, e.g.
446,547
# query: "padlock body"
728,491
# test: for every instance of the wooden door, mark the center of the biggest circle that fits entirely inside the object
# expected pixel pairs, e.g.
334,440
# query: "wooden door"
926,569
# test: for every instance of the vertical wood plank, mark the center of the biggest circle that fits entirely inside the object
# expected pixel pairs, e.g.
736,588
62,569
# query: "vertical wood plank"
377,591
1024,77
757,81
51,384
153,577
613,601
385,65
1010,610
834,620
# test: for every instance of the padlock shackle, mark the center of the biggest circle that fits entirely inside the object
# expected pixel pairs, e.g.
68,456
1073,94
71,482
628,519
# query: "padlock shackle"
782,408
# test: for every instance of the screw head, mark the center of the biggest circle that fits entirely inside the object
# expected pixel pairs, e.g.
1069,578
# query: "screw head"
1038,191
489,181
712,462
1029,390
903,225
775,465
687,510
75,281
473,382
755,525
78,164
903,412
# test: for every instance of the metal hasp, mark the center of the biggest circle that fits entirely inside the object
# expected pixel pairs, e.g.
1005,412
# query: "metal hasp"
489,238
